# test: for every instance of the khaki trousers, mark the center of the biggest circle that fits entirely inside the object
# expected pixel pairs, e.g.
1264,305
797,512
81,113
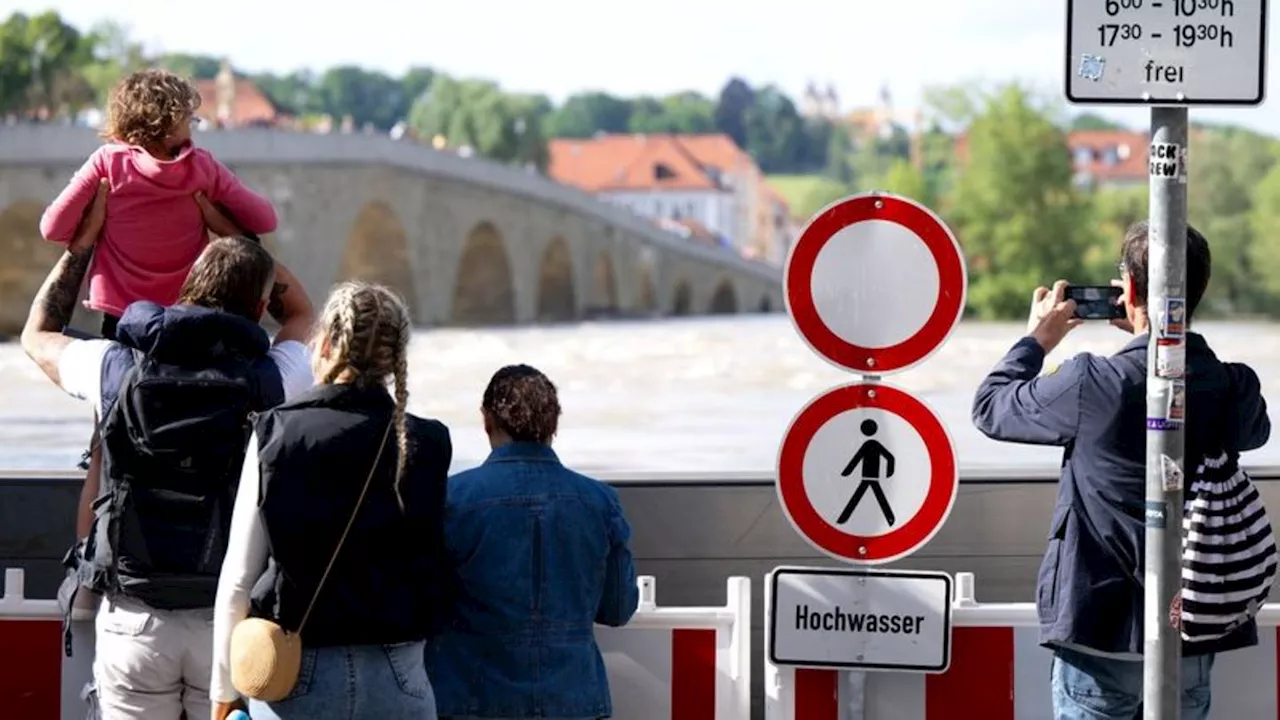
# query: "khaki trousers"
152,664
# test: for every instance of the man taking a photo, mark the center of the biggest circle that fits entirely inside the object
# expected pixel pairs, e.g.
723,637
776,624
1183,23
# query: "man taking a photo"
1089,592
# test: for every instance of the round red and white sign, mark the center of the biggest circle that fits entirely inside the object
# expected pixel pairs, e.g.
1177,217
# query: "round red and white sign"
875,283
867,473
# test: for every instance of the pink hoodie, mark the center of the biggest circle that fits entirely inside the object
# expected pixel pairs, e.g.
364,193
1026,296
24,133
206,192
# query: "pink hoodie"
154,231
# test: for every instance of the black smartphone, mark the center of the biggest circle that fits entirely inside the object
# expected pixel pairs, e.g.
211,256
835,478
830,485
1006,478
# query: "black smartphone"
1096,302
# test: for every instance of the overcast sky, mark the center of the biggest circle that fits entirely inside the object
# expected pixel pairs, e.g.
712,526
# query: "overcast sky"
657,46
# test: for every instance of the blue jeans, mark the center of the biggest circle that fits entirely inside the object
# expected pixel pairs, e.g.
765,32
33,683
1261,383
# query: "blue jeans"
357,682
1088,687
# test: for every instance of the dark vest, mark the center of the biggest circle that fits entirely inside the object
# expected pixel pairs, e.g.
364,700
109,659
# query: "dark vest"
179,390
389,580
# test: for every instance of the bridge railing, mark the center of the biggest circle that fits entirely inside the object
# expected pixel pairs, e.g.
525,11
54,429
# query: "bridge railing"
998,670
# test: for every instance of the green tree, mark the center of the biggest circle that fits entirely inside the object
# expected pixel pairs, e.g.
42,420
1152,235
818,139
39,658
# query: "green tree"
294,93
1264,251
1093,121
199,67
478,115
873,156
57,52
1014,207
839,166
415,84
815,144
903,178
1224,166
528,140
40,59
113,55
15,64
686,112
586,114
1114,210
735,100
951,108
369,97
775,132
937,164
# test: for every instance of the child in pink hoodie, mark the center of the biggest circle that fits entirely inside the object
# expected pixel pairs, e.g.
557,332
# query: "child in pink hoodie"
154,229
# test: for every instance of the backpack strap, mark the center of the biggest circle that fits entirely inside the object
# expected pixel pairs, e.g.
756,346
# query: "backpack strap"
78,565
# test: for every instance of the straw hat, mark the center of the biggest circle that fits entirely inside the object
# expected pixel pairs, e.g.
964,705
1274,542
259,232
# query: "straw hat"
265,660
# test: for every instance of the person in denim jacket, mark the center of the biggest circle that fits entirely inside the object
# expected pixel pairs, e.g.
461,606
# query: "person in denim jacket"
541,555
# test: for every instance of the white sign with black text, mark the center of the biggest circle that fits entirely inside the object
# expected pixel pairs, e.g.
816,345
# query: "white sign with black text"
1167,52
860,619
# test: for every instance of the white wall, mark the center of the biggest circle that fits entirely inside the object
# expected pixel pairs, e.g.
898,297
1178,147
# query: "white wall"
713,208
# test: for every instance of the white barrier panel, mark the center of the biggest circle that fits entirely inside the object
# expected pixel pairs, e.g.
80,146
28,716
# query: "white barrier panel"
681,663
999,672
667,663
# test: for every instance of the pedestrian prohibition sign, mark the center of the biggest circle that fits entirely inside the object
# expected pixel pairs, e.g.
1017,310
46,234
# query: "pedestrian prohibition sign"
867,473
875,283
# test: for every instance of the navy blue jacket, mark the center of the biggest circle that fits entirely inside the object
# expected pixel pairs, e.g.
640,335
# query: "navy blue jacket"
1089,590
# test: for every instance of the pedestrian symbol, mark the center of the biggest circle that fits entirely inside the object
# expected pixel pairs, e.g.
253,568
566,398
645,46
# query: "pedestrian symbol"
869,457
901,455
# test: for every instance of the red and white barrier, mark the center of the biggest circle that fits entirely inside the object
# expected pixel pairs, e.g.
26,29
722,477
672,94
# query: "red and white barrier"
999,672
666,664
35,683
681,663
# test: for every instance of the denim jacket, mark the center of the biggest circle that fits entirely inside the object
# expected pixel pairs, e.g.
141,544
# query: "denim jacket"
540,554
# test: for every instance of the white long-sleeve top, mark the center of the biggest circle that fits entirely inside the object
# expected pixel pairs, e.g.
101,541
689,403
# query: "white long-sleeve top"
245,562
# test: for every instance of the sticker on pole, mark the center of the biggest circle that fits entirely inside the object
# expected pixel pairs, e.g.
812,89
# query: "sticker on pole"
875,283
860,619
867,473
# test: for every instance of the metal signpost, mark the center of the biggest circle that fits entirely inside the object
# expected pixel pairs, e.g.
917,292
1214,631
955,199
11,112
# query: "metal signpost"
1168,54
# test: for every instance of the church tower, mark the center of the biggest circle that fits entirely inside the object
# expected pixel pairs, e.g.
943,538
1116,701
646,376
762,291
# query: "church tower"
225,93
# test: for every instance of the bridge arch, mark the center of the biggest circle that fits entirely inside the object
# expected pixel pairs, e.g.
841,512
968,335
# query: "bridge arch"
377,251
604,283
765,305
482,292
682,302
724,301
557,299
28,257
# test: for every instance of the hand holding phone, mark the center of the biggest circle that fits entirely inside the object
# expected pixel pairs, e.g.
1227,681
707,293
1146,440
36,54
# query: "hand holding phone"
1096,302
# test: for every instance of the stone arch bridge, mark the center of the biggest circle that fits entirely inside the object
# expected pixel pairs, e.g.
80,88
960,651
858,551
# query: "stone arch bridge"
465,241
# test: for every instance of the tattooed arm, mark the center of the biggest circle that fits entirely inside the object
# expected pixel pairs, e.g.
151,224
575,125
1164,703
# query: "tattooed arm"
54,305
290,307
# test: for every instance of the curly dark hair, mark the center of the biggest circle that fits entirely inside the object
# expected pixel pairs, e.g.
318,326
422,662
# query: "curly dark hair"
523,402
147,105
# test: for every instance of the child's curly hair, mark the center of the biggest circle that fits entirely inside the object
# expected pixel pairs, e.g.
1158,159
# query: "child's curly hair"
147,105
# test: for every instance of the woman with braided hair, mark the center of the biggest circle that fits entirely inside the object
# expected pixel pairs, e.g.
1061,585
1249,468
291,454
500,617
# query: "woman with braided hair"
337,533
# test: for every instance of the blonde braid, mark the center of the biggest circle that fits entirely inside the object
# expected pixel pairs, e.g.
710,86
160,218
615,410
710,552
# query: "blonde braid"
402,401
339,323
370,326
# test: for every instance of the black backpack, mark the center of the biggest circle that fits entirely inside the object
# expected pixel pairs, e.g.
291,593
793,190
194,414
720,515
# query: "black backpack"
173,442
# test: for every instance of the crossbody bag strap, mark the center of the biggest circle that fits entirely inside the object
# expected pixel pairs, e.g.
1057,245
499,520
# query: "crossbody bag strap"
359,502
